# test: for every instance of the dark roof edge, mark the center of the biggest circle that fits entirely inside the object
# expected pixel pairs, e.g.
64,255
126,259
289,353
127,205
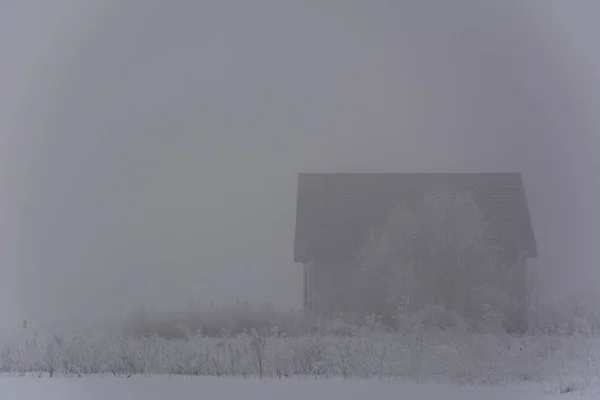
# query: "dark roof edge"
534,251
298,254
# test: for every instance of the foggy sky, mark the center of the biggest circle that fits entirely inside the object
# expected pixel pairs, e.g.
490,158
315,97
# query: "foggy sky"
149,149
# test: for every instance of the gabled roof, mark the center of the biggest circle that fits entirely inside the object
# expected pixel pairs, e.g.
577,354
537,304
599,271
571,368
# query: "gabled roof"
335,212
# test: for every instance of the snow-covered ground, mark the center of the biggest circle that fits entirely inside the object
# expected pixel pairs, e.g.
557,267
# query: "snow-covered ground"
429,363
178,387
451,356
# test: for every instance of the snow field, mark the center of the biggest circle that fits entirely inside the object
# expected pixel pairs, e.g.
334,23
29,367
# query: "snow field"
448,356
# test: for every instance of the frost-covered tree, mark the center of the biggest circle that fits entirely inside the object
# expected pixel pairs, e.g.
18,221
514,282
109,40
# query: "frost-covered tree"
437,252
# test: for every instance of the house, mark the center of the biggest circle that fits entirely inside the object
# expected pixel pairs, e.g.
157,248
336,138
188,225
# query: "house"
337,211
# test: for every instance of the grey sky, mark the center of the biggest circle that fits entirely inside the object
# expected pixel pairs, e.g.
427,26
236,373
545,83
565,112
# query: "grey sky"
149,148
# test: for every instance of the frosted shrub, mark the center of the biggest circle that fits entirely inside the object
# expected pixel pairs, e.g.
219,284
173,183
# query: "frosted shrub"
578,313
432,316
218,322
421,355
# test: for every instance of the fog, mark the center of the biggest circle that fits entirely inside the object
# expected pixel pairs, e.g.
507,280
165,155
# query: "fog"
149,149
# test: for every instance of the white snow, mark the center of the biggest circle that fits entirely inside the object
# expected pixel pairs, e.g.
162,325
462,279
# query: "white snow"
179,387
418,365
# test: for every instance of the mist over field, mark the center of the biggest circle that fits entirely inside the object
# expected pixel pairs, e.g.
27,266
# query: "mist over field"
149,150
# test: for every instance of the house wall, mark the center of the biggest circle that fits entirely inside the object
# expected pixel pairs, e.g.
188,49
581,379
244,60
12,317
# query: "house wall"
307,288
332,286
329,286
